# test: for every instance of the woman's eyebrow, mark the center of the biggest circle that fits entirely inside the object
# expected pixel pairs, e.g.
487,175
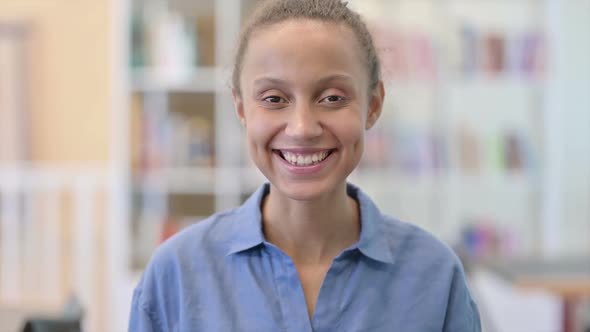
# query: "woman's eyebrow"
335,77
268,81
321,81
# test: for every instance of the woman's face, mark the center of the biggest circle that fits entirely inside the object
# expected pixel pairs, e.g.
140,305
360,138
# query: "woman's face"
305,105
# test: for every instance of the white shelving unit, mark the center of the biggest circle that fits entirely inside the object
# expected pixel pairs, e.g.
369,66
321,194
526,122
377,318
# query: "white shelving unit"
201,88
456,95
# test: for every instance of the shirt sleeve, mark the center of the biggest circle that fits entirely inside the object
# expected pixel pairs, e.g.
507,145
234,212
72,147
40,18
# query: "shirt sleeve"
462,313
140,319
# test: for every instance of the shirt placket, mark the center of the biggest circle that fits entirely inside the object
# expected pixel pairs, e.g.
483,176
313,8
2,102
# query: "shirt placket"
328,305
290,292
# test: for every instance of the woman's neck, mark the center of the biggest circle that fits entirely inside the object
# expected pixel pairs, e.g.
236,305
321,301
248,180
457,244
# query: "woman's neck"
311,232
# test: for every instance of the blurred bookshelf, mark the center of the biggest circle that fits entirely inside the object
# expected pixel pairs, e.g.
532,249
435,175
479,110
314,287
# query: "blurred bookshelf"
186,144
460,143
460,146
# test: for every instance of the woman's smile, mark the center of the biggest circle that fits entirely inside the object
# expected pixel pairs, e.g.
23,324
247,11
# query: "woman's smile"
304,162
304,158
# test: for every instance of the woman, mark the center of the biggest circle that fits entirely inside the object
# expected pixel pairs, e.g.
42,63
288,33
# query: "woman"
308,251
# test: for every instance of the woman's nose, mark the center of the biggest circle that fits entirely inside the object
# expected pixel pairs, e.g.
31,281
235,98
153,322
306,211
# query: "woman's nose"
303,123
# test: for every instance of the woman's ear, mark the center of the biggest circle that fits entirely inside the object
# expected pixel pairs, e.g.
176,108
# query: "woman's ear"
375,105
239,105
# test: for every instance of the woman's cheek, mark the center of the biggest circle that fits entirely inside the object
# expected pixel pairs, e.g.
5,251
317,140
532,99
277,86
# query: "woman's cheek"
260,130
352,131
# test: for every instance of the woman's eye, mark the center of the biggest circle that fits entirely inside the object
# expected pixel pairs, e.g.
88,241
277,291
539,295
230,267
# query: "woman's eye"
333,99
273,99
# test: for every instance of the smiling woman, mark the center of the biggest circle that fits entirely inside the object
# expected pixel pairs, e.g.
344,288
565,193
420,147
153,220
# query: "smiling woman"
308,251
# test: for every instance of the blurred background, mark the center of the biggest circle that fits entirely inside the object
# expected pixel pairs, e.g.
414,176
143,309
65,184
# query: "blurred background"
117,129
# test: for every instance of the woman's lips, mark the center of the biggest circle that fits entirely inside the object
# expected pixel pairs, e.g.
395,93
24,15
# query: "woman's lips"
304,158
304,161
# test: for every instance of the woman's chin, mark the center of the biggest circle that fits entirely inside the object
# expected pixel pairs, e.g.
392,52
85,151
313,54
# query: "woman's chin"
307,190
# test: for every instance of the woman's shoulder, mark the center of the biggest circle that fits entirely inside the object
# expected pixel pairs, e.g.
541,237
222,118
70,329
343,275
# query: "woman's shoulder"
206,243
195,248
392,240
199,238
403,241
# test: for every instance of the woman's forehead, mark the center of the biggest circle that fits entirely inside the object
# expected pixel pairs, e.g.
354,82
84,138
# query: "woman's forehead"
302,32
301,48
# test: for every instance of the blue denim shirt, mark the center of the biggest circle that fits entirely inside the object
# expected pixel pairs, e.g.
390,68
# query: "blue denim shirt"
222,275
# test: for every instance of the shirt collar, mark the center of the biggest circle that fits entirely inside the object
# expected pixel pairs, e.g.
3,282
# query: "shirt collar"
246,231
374,240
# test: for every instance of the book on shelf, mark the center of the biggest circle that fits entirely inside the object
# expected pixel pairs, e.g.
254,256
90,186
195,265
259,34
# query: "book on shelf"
484,237
411,151
170,139
419,152
190,141
171,41
519,151
469,150
414,151
510,151
534,54
404,54
469,51
492,53
408,54
153,138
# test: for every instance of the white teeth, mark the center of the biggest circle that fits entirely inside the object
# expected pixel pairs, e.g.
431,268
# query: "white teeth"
304,160
300,160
